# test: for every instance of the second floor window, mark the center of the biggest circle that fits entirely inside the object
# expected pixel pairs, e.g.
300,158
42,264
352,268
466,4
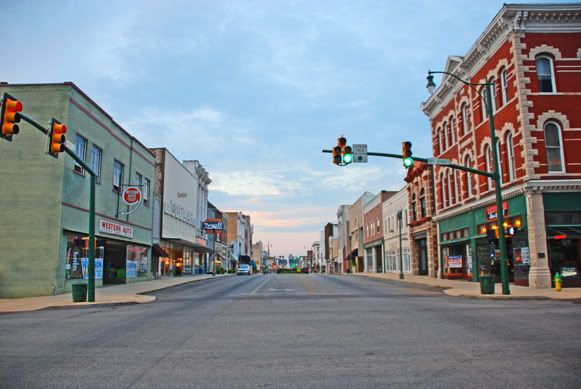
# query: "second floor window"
553,148
465,124
510,157
503,86
423,203
81,151
146,185
452,130
96,158
117,175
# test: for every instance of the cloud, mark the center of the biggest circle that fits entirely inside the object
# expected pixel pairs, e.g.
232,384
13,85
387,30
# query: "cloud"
255,183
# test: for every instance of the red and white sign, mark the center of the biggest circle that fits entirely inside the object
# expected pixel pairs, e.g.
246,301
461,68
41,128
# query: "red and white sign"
113,228
132,195
491,211
455,262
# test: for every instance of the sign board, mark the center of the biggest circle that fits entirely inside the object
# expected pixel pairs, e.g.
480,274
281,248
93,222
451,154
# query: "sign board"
211,225
491,211
436,161
454,262
360,153
113,228
132,195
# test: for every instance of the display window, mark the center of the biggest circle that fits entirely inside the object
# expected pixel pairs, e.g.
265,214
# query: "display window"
137,261
565,259
77,258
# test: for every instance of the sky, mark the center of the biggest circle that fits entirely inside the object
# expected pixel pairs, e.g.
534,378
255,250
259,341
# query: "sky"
255,90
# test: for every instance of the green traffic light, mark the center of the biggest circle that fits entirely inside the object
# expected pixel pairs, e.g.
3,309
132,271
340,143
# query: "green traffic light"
347,158
407,162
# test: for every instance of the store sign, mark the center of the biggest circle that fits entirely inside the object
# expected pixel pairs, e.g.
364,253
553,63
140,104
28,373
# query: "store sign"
455,262
178,212
109,227
132,195
491,212
212,225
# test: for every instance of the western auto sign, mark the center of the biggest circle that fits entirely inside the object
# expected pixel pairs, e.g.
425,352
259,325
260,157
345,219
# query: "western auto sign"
132,195
110,227
491,211
212,225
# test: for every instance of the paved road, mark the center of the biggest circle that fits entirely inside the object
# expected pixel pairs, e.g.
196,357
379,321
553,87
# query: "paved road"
296,331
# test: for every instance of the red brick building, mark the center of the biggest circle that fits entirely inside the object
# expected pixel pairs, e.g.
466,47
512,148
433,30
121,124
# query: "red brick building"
373,232
532,54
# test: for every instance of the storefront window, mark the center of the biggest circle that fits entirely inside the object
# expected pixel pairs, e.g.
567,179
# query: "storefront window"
564,257
77,258
137,260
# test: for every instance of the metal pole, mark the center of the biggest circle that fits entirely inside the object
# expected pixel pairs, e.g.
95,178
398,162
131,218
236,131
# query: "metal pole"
498,192
91,286
400,222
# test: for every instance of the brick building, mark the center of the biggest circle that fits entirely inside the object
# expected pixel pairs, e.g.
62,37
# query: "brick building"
532,54
373,232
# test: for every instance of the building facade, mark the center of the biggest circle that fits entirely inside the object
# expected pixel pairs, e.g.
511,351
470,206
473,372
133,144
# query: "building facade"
221,254
356,237
373,232
396,233
343,243
532,55
44,245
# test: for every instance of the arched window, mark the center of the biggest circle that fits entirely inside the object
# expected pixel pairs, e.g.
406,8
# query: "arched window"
500,159
440,141
503,86
449,187
445,129
423,203
488,160
414,209
493,91
456,198
468,177
545,74
442,190
483,103
452,130
465,124
510,157
554,148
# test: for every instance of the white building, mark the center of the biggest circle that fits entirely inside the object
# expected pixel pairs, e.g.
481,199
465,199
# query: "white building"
391,232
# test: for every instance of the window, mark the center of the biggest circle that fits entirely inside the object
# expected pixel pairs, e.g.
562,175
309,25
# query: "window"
117,175
445,129
545,74
503,86
483,103
510,157
449,187
146,186
500,159
96,157
414,211
440,140
406,216
468,162
465,125
488,160
452,130
442,190
456,198
81,151
553,147
493,92
139,181
423,203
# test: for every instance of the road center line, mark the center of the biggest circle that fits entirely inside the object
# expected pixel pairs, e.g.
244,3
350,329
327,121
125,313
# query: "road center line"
260,286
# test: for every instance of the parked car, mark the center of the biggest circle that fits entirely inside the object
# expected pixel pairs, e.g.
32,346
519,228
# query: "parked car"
244,269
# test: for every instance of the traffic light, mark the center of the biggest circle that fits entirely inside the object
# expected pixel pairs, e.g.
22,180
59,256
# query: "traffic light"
342,154
9,116
347,155
337,155
406,154
56,138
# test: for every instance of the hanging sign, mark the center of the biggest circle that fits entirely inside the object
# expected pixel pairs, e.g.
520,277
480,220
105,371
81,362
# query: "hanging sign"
212,226
491,211
132,195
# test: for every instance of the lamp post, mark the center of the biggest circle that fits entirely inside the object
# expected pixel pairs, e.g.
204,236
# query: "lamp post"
400,222
431,86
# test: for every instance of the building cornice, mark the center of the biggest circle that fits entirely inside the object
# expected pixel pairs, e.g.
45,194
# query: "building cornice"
521,18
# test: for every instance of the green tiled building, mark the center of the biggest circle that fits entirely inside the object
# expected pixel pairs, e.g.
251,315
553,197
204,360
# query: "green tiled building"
44,201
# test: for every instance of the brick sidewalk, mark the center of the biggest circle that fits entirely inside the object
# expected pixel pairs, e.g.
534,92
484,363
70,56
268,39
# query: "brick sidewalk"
472,289
117,294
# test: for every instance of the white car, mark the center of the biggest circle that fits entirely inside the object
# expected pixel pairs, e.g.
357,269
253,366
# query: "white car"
244,269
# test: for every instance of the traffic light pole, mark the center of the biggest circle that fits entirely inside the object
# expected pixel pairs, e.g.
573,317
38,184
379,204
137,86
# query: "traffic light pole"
73,155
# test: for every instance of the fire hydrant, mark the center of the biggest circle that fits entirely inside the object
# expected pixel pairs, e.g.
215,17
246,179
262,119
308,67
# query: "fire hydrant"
558,282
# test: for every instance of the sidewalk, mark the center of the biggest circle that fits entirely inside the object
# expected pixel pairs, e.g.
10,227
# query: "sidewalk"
117,294
472,289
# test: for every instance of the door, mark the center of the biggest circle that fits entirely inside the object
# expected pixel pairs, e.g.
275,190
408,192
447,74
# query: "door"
422,245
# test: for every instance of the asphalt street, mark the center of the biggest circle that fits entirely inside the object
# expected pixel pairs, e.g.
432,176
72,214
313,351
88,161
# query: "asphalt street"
305,331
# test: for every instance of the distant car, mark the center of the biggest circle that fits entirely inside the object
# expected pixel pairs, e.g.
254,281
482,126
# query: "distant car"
244,269
265,271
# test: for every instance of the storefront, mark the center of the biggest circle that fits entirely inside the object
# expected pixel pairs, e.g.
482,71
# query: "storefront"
179,260
469,243
563,225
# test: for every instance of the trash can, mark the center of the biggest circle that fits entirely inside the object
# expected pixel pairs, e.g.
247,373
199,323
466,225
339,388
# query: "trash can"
487,284
79,293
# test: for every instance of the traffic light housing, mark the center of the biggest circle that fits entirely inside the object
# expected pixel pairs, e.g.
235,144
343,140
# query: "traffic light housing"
342,154
56,138
337,155
9,116
406,154
347,155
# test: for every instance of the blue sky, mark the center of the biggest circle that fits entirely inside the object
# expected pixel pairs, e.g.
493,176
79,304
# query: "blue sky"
254,90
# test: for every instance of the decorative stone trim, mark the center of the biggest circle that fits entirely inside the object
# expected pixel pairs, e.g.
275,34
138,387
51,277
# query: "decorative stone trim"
552,114
503,62
544,49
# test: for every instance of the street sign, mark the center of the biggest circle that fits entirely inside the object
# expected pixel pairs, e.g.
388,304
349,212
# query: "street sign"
131,195
360,153
436,161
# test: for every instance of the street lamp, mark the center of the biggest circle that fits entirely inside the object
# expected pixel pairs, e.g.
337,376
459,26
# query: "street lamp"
431,86
400,222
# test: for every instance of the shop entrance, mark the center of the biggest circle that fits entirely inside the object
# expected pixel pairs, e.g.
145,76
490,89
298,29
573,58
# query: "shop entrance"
422,246
114,263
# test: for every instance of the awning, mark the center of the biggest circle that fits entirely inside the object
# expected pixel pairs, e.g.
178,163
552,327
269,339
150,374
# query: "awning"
563,231
157,251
